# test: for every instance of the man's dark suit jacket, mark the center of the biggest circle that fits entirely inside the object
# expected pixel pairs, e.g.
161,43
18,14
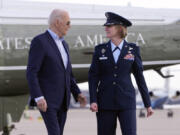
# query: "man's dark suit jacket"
46,73
110,83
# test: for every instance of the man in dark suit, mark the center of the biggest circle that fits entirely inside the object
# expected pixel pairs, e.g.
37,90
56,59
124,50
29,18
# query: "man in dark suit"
49,73
112,94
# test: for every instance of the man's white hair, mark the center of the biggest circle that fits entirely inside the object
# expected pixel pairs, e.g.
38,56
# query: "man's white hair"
56,14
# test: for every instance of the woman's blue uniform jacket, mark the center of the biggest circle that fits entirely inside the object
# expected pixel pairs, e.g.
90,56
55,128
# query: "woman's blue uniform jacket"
110,84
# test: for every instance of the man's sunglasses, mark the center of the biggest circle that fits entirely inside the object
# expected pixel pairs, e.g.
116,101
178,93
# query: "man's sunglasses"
68,23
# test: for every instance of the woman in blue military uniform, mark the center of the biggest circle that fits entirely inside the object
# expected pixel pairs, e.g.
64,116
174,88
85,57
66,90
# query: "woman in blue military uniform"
112,94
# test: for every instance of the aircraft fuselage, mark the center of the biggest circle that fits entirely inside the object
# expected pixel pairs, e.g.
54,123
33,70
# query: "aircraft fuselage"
157,42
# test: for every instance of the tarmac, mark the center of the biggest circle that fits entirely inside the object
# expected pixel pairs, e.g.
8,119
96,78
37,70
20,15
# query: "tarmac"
83,122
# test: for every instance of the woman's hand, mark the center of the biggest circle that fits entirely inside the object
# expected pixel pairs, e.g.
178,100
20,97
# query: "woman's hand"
149,111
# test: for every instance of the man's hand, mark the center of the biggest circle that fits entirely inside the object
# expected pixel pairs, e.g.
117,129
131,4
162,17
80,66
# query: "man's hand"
149,111
42,105
94,107
82,100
